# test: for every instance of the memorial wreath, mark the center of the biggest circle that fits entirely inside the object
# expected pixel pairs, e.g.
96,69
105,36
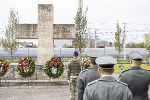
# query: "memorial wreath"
26,67
54,67
4,65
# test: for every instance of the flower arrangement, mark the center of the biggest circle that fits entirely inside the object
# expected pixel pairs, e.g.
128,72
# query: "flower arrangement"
26,67
85,64
3,66
54,67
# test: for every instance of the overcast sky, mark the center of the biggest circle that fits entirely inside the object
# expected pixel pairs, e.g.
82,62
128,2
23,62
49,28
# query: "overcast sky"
102,14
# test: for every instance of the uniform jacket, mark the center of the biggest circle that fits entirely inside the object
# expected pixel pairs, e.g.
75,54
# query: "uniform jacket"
74,67
138,81
85,77
107,88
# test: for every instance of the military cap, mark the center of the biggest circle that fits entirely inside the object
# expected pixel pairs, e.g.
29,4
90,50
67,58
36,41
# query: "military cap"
92,55
135,55
76,53
106,62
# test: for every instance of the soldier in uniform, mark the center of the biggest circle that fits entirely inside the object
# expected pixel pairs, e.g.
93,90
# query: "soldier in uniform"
137,78
106,87
87,76
74,68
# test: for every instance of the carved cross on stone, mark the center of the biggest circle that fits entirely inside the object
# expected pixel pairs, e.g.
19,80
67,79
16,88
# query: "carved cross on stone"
45,31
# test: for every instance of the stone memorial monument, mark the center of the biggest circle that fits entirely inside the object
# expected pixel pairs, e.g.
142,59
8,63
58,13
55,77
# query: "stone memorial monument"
45,31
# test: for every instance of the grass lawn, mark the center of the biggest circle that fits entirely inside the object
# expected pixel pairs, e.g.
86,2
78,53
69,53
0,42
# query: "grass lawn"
126,66
14,61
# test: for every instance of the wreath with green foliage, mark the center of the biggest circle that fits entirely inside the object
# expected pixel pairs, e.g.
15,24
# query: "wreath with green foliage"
3,66
26,67
54,67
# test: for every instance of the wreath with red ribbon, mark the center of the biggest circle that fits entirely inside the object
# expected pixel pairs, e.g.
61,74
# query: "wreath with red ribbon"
54,67
3,66
26,67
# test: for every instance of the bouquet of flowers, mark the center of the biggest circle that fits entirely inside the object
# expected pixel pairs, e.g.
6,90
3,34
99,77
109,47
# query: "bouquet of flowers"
85,64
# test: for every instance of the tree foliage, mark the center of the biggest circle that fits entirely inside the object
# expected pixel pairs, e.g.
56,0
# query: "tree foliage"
110,44
131,45
67,46
80,27
119,39
135,45
9,43
140,45
147,43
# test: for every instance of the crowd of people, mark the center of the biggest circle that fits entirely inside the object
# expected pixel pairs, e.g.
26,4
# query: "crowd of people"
97,83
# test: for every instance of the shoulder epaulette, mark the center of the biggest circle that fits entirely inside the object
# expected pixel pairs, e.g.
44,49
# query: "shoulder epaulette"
148,70
84,70
122,82
93,82
125,70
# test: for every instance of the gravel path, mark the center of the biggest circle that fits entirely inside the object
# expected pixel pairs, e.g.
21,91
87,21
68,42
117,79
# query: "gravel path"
35,93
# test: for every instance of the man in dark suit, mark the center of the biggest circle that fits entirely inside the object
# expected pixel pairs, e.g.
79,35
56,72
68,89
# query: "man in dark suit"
138,79
87,75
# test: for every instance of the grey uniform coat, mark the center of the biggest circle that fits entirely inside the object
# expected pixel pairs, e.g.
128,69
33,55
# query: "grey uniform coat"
138,81
107,88
85,77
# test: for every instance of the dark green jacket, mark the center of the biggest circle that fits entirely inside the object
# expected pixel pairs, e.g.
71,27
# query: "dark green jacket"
86,77
138,81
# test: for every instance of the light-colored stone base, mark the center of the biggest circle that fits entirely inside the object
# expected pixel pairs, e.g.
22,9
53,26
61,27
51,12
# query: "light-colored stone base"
39,74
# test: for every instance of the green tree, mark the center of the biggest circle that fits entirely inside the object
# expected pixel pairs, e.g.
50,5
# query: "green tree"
9,43
80,27
131,45
140,45
35,46
65,46
146,43
119,39
110,44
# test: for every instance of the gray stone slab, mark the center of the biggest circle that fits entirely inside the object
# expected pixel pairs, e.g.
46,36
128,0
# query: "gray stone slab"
35,93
